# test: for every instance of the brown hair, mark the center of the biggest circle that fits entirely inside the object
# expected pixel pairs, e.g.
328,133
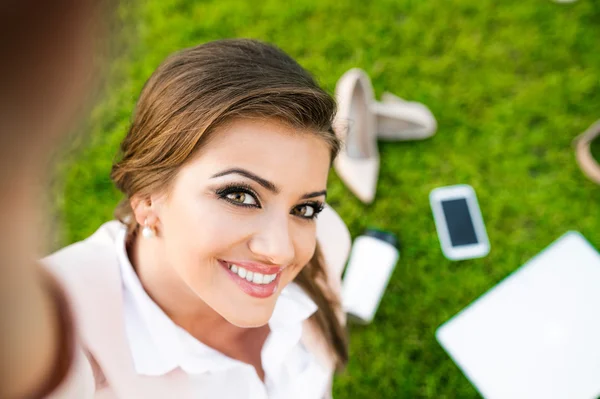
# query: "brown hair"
198,89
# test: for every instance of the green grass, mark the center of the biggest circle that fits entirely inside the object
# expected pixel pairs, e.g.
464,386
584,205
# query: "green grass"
511,84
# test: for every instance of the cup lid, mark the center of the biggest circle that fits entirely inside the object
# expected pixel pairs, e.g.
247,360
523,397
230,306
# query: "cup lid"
384,236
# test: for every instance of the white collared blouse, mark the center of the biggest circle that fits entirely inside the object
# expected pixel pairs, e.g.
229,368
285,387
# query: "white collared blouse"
159,346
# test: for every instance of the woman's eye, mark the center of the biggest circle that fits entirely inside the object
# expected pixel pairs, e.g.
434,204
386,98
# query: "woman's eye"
241,198
305,211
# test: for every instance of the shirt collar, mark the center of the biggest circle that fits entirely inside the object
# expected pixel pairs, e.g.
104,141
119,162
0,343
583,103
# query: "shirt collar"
158,345
292,307
152,335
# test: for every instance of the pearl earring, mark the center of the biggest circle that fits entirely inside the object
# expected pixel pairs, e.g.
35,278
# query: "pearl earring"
147,231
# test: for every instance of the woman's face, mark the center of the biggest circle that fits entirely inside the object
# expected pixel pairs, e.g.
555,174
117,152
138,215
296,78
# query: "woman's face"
239,223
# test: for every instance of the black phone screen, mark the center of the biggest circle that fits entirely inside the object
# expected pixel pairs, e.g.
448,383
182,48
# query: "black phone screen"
460,225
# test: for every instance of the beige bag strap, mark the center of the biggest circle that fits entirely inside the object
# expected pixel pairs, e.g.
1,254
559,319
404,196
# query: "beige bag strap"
583,152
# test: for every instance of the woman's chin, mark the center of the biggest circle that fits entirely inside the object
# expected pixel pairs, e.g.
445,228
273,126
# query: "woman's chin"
248,323
239,319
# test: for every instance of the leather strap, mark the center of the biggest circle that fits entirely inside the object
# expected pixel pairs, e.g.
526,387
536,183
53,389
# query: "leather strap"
583,152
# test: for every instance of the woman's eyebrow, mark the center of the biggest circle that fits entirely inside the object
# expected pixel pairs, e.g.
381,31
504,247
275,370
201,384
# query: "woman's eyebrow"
315,194
263,182
243,172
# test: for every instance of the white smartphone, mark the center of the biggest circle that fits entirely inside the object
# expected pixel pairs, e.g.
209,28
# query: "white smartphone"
459,222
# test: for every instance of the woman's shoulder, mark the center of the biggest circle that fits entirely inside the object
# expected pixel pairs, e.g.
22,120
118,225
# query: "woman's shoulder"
89,274
97,247
84,379
89,269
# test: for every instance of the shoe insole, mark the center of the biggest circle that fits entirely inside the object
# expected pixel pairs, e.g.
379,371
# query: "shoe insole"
393,125
358,141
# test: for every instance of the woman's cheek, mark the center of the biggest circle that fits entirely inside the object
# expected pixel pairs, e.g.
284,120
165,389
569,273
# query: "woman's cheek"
305,244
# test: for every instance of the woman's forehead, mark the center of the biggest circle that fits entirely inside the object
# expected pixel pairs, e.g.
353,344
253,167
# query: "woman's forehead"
266,148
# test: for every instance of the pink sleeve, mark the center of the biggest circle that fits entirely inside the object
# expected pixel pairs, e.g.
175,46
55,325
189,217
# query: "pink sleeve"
79,383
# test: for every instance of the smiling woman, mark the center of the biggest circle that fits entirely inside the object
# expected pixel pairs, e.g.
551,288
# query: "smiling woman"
213,263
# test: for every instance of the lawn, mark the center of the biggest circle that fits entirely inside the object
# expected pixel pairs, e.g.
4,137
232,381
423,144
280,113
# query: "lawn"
511,84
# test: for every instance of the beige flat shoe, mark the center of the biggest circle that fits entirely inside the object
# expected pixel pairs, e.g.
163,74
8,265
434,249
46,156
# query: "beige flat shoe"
401,120
358,162
583,152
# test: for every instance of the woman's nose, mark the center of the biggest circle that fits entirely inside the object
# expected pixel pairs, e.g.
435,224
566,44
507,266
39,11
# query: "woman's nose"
273,242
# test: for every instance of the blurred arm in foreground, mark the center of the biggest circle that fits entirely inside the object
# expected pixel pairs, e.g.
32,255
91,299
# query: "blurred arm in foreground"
47,50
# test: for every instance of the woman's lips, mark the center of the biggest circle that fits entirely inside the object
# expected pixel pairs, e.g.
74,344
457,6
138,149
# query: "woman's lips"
269,275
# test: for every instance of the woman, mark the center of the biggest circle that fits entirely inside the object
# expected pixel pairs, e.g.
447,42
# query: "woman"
211,284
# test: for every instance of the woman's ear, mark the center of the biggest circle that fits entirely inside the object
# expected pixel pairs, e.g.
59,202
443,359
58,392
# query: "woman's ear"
143,211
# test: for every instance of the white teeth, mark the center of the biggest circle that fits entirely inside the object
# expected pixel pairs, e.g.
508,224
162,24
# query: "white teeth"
253,277
258,278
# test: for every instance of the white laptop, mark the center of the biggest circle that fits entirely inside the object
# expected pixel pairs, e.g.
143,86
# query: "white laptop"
537,333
